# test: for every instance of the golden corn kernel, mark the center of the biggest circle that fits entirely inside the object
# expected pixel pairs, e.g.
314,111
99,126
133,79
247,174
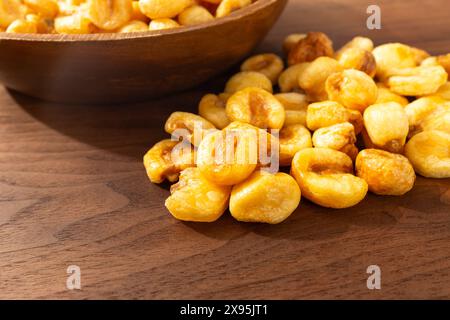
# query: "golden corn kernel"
356,119
162,24
362,43
352,88
195,198
109,14
265,197
257,107
248,79
74,24
134,26
194,15
419,55
137,13
325,114
295,106
212,108
267,144
293,138
428,113
386,95
228,6
314,45
444,61
268,64
291,40
387,126
166,159
163,9
429,153
444,91
359,59
386,173
430,61
10,11
417,81
393,56
288,80
325,178
189,126
229,156
336,137
45,8
313,78
41,24
22,26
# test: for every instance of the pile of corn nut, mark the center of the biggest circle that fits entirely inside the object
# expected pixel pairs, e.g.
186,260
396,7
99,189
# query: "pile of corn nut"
347,122
99,16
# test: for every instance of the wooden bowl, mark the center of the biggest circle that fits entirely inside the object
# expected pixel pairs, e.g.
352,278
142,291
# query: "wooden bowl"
117,68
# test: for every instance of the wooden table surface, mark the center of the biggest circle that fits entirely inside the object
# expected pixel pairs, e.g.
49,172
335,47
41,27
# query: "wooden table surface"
73,192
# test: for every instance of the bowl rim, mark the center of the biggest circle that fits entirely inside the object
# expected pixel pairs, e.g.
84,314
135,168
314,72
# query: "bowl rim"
98,37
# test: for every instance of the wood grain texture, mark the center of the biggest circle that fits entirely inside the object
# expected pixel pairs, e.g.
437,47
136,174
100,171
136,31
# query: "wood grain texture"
73,191
113,68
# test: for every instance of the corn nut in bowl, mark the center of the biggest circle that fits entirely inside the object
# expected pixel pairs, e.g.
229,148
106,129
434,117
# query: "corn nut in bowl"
118,51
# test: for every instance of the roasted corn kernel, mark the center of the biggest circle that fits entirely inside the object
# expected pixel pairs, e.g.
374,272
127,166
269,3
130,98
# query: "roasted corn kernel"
268,64
228,6
44,8
288,80
137,13
166,159
358,43
195,15
134,26
385,95
418,81
229,156
257,107
109,14
444,61
22,26
246,79
295,106
74,24
314,45
352,88
444,91
293,138
337,137
265,197
386,173
291,40
325,177
387,126
325,114
313,78
429,153
268,145
391,57
356,119
359,59
10,11
195,198
163,9
212,108
188,126
162,24
428,113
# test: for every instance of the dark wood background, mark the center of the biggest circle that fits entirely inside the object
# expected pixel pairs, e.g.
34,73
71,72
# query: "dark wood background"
73,191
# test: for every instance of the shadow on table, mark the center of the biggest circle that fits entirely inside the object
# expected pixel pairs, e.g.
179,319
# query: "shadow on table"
127,130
